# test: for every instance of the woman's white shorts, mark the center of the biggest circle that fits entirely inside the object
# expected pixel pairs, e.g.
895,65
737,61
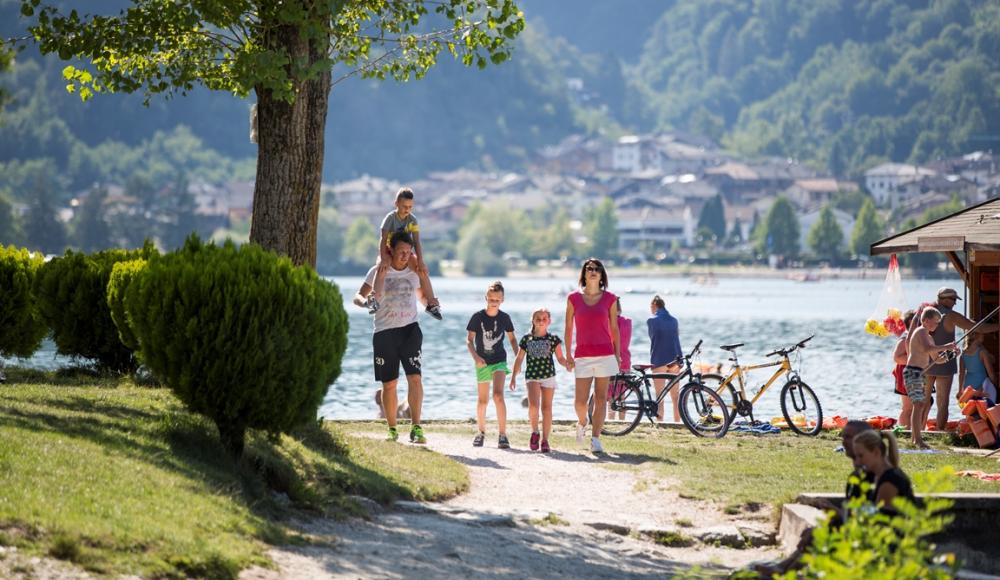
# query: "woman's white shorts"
549,383
596,366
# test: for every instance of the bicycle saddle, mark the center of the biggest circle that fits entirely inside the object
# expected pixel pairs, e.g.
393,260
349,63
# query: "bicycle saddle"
731,347
641,368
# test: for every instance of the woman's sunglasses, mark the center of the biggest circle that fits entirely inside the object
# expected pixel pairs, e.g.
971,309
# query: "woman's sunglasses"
594,269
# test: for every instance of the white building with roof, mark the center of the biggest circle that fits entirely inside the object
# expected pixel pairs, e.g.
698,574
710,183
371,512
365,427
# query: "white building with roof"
883,181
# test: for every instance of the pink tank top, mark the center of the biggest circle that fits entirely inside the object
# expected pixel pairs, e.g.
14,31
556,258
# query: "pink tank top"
593,325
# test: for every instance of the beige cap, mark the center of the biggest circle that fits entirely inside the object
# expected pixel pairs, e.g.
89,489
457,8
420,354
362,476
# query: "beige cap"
948,293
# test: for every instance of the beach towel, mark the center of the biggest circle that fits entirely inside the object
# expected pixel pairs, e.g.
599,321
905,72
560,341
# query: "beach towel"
980,475
757,428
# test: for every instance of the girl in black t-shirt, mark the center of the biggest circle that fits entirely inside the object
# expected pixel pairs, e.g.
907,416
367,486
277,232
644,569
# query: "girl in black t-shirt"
878,454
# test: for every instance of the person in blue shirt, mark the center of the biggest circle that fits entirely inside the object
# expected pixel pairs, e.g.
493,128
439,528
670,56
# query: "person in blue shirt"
664,348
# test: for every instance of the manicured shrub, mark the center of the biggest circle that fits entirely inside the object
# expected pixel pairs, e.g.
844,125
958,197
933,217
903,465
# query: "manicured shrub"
72,298
239,334
122,275
21,326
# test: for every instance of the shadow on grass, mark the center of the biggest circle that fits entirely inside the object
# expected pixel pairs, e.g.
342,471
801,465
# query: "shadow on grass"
313,468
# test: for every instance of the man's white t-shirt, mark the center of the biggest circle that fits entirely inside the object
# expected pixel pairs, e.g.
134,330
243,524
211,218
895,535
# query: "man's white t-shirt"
398,306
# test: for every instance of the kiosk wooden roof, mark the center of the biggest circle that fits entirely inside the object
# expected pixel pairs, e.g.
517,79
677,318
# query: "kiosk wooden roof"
973,229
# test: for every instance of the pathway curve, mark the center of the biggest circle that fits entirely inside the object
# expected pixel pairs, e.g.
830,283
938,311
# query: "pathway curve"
565,514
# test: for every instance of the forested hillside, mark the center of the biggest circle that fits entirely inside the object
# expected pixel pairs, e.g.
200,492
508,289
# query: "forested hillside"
841,84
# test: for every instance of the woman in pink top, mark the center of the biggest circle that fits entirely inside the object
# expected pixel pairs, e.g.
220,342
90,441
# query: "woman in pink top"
594,312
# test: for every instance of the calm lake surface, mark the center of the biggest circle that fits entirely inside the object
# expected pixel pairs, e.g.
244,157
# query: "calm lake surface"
848,369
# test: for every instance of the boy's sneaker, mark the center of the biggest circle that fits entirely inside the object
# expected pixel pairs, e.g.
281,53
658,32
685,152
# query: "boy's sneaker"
480,438
372,305
533,444
581,434
503,443
595,445
417,435
434,310
393,434
545,446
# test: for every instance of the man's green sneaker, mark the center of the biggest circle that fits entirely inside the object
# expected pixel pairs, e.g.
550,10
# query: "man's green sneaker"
393,435
417,435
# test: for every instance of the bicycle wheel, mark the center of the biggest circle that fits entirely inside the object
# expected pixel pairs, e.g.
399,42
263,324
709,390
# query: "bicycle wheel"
624,412
703,411
801,408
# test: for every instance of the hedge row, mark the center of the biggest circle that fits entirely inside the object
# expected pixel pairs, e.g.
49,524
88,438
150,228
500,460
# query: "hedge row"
239,334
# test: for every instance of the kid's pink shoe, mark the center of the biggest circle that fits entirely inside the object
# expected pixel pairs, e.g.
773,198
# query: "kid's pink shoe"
533,444
545,446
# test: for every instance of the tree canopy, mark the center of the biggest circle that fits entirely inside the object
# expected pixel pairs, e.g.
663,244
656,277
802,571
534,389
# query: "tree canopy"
778,234
825,238
236,46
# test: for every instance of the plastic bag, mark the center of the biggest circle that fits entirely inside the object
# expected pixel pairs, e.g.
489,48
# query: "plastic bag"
887,318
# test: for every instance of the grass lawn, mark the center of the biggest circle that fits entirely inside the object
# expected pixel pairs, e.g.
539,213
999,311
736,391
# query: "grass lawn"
122,480
740,469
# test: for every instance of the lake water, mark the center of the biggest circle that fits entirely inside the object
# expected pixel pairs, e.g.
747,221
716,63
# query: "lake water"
848,369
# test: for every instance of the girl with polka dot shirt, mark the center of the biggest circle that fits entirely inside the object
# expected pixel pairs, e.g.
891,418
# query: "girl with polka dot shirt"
537,348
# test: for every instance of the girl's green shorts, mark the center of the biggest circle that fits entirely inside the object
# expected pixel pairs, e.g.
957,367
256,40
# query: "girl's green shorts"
485,374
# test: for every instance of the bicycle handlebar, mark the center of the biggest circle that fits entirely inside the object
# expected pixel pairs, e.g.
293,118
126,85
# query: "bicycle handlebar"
694,350
791,349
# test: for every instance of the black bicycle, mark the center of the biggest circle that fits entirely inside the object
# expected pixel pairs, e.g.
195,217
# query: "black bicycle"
631,396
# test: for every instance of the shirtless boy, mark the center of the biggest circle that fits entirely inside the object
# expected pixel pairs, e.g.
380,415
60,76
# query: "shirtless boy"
922,352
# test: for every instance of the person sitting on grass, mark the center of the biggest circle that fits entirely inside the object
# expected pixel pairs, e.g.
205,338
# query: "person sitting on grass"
878,454
859,475
402,411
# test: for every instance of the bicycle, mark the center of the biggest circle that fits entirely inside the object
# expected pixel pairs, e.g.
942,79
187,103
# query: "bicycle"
637,399
797,398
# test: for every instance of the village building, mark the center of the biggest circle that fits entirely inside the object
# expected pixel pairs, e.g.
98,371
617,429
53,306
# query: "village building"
883,181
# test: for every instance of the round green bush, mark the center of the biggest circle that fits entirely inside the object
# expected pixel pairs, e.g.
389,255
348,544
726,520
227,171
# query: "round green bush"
72,298
239,334
21,327
122,275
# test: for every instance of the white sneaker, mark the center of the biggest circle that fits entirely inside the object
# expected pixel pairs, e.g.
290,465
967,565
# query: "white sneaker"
595,445
581,433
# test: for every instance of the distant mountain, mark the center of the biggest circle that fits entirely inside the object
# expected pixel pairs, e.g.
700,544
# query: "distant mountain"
843,84
840,84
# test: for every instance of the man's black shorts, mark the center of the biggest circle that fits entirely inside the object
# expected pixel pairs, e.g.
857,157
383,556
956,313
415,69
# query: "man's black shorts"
395,346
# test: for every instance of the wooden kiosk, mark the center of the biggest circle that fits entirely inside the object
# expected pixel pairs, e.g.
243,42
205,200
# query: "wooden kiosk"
971,241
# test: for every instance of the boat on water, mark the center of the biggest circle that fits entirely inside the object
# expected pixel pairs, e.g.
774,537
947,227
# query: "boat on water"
804,277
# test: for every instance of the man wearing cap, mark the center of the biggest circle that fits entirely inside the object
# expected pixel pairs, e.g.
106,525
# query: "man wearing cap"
941,375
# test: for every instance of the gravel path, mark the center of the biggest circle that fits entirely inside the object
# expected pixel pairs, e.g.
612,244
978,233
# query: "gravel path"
564,514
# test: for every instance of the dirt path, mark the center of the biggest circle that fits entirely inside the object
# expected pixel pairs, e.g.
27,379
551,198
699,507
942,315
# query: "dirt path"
565,514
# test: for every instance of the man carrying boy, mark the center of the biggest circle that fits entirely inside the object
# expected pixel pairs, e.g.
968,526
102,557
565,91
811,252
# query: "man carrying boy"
402,220
922,351
397,338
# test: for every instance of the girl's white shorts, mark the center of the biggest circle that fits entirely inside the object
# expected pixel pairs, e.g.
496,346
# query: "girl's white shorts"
549,383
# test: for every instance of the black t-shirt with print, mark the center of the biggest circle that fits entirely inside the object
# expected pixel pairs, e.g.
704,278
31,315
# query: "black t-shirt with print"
490,334
538,355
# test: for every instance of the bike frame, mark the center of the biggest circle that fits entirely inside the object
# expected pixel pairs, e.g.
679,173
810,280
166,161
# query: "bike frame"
741,371
673,380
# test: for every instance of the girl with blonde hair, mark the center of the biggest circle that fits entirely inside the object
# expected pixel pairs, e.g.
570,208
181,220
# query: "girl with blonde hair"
877,453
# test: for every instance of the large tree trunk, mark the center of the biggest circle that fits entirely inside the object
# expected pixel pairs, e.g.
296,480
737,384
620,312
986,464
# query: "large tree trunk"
290,159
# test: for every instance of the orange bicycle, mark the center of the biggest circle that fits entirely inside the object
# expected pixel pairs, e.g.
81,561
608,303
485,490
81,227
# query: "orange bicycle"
799,404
